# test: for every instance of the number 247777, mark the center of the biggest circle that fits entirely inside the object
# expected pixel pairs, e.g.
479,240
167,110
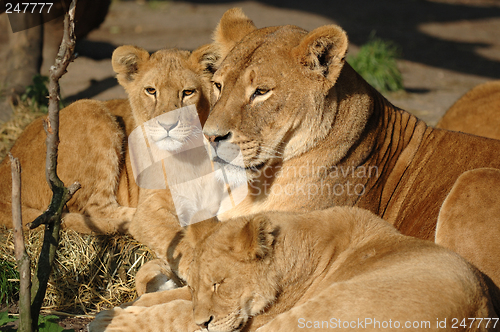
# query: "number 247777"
28,7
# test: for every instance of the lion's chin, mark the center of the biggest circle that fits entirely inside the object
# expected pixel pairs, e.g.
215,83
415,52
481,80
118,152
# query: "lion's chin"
169,144
234,175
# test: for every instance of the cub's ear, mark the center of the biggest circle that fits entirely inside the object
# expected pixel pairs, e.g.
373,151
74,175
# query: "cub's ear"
126,61
323,51
232,27
255,240
196,232
205,59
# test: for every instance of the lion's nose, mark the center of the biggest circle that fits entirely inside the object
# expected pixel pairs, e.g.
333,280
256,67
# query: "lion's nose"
205,323
217,138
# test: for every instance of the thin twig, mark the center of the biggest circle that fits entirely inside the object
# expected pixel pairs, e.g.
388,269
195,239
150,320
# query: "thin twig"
22,258
60,194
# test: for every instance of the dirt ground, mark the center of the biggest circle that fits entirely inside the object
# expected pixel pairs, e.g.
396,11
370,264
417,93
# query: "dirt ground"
448,46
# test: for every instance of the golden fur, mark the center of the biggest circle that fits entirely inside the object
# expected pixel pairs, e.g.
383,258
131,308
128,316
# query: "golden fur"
306,122
93,147
280,271
477,112
314,134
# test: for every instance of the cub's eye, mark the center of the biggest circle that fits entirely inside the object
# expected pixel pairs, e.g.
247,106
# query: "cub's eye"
151,91
215,287
187,93
218,86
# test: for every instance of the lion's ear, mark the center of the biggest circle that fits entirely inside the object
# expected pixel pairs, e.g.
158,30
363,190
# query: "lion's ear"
196,232
126,61
232,27
255,240
323,50
205,59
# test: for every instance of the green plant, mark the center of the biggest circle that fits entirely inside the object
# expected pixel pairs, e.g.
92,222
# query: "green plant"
8,289
45,323
158,5
36,95
376,63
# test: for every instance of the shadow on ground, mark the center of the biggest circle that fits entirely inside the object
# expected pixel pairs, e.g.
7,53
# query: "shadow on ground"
399,21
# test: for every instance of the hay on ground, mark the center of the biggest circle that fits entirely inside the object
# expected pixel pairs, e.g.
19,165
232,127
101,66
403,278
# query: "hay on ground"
90,272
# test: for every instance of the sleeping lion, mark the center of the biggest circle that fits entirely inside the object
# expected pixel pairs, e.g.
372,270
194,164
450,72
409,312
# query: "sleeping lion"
93,147
337,268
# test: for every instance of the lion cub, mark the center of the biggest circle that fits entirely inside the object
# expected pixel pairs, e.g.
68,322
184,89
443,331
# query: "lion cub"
338,268
93,139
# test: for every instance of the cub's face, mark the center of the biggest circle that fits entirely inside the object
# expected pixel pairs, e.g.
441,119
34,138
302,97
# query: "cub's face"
269,97
229,277
173,130
163,82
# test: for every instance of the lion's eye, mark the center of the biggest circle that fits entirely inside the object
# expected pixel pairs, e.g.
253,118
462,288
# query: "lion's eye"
187,93
151,91
218,86
260,92
215,287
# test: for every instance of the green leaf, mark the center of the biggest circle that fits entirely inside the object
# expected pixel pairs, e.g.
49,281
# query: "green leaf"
49,324
4,318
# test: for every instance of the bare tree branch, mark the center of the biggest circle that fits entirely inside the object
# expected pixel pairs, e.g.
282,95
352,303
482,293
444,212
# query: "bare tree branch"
22,258
60,194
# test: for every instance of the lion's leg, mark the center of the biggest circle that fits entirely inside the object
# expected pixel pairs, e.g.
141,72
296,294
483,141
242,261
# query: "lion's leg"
175,316
155,276
469,220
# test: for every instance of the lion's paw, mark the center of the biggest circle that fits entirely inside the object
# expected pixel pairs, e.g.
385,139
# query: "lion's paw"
175,316
116,319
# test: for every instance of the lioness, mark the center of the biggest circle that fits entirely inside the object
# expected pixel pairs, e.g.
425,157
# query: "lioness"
314,134
93,150
336,268
477,112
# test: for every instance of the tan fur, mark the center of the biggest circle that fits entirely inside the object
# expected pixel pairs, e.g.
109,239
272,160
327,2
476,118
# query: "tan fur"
314,134
470,234
93,147
280,271
477,112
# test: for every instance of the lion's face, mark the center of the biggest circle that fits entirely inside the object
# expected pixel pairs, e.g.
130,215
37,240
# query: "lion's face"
229,277
173,130
270,93
162,82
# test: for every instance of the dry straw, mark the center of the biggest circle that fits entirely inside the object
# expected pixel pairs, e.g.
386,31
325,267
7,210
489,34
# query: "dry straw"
90,272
